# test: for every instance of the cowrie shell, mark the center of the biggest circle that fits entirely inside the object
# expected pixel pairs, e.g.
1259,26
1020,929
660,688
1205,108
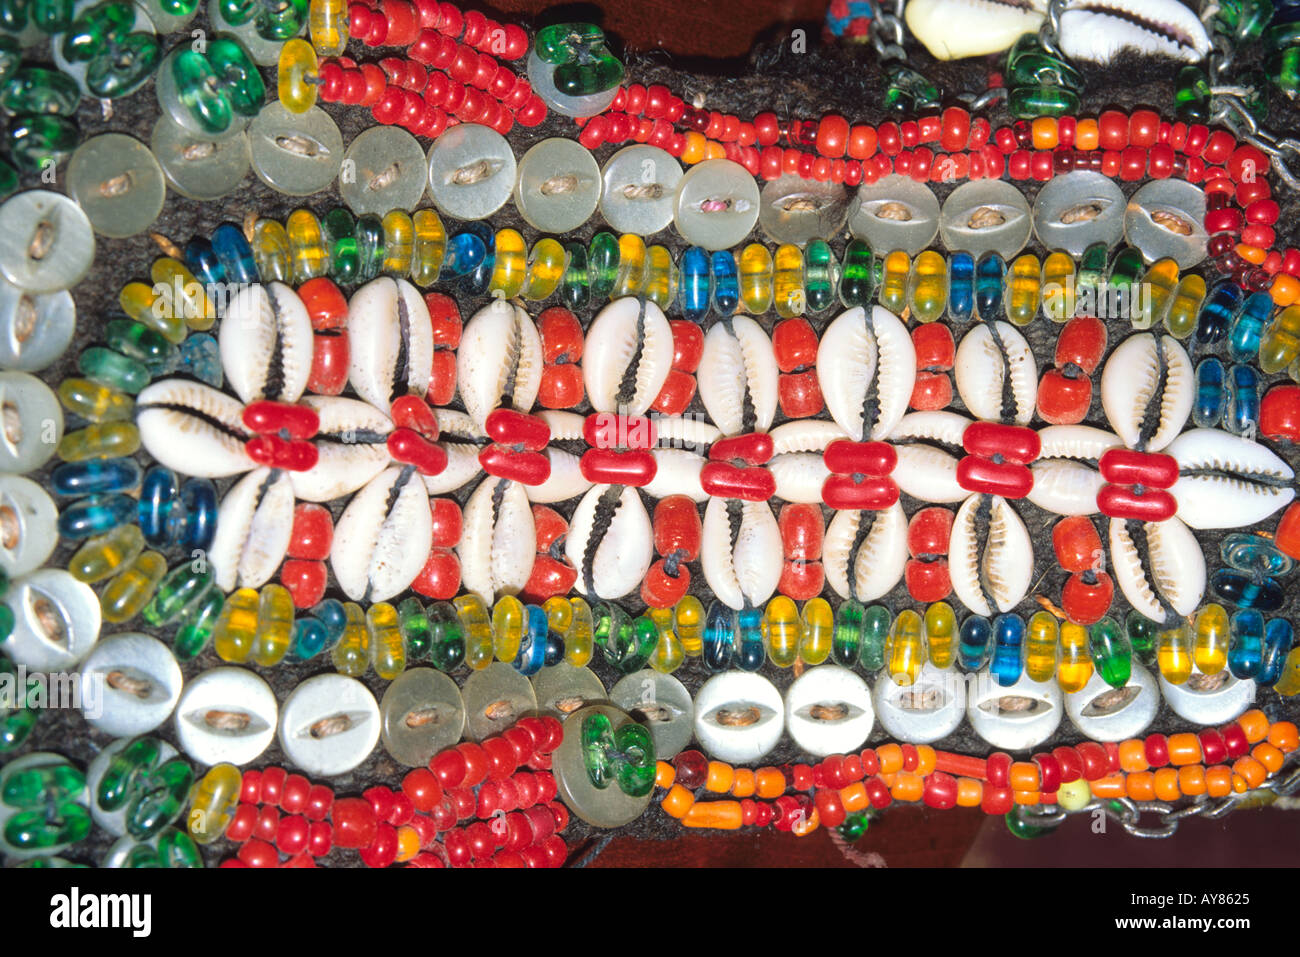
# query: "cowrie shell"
991,570
996,374
351,445
499,541
610,541
565,481
1172,578
253,528
626,357
864,552
1147,390
382,539
738,376
952,29
741,552
391,341
866,367
266,343
1226,481
799,476
499,359
1065,487
1098,30
192,428
805,435
678,473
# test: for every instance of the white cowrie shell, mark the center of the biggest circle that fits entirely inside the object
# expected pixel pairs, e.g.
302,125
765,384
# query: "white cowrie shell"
866,361
462,468
266,343
1226,481
499,542
996,372
351,443
612,552
193,428
738,371
254,524
1099,30
747,572
564,482
928,474
1065,487
805,435
689,432
391,341
382,539
627,356
500,357
1000,567
565,426
952,29
1075,442
678,473
1176,576
1145,374
865,565
799,476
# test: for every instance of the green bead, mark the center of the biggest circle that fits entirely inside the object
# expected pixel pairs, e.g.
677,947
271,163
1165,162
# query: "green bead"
1282,35
908,91
63,823
1092,269
8,179
446,639
1192,95
238,12
197,624
820,269
597,742
241,82
139,342
854,826
1125,268
16,719
119,781
1141,632
576,288
635,763
142,856
1029,102
602,265
1111,652
113,369
178,8
1023,829
856,277
13,16
96,30
163,795
1284,71
1243,20
846,633
36,142
370,246
876,625
562,42
415,628
177,849
123,70
1028,64
36,90
341,239
627,643
596,75
282,20
51,16
199,92
180,588
11,54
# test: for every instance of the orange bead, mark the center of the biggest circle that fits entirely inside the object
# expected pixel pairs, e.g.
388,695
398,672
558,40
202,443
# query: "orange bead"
1024,776
720,777
723,815
1252,254
1133,756
715,150
1255,724
890,757
1268,756
665,774
1184,748
1218,781
1239,784
696,145
1141,786
970,792
1191,780
1113,785
1087,134
745,783
1285,289
408,843
1284,736
1029,798
887,778
805,826
1250,771
854,797
770,783
924,759
1045,133
1166,784
677,802
908,786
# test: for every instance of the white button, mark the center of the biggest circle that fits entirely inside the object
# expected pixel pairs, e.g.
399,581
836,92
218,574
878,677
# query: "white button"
130,684
828,710
1209,699
30,438
28,529
226,714
926,711
56,621
1014,718
329,724
738,716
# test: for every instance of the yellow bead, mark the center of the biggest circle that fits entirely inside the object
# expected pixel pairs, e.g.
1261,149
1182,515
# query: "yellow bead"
559,614
927,286
508,622
1289,683
272,251
689,618
940,632
816,628
185,292
660,285
1213,634
1281,343
667,655
631,266
146,307
1174,653
893,283
1076,664
387,648
1058,287
1075,795
351,656
1186,307
128,593
472,614
307,249
783,630
236,628
295,75
106,554
509,265
696,149
274,625
1041,646
905,648
213,802
580,637
1024,284
399,243
787,282
100,441
95,402
1159,284
327,23
430,247
756,278
546,264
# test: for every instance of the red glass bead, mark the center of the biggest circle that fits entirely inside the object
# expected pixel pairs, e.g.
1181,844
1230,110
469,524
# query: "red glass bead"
692,769
1064,399
1133,163
728,481
978,474
662,589
998,769
800,394
931,391
1219,147
1156,747
250,787
802,531
956,129
312,533
1040,166
1094,758
1213,750
242,823
832,135
801,580
876,459
305,580
1279,413
1069,762
794,344
529,468
1128,467
1066,129
292,834
1015,444
1148,505
677,528
440,576
1143,129
1049,773
1228,220
355,823
477,764
258,853
295,794
889,138
320,838
635,467
320,802
1160,161
848,493
1113,130
862,142
1077,544
928,532
422,789
1018,165
1086,601
1234,741
927,581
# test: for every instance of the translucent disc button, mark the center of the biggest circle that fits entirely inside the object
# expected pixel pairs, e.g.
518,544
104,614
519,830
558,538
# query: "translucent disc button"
383,169
472,171
716,204
34,329
46,241
295,153
638,189
118,183
198,166
422,713
558,186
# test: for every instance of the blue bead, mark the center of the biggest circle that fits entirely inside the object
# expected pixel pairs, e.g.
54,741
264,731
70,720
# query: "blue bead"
235,254
1246,591
751,654
200,356
1248,330
532,649
990,277
159,491
95,476
199,503
465,253
1246,651
309,638
695,283
96,515
961,287
1279,637
476,282
726,283
554,648
1008,649
1211,393
719,637
1218,312
201,259
330,613
1242,414
974,642
1254,554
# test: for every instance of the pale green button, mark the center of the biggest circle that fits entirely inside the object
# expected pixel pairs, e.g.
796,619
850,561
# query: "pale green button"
421,714
383,169
895,213
662,704
295,153
562,689
986,215
31,422
34,329
495,698
164,22
196,165
795,210
46,241
638,189
118,183
558,185
472,171
716,204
